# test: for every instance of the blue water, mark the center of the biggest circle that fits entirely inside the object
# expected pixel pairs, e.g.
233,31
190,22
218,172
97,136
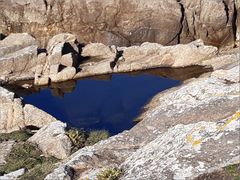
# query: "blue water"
102,104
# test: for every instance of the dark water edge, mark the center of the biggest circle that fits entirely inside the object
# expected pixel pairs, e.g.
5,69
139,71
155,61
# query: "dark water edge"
109,102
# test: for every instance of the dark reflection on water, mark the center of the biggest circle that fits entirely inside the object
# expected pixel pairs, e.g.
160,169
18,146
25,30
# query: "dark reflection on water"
111,104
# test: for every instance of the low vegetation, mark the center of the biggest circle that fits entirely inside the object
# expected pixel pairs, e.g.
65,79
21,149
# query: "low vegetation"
26,155
96,136
234,171
16,136
109,174
81,138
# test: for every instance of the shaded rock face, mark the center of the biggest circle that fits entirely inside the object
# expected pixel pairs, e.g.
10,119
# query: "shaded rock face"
52,140
123,22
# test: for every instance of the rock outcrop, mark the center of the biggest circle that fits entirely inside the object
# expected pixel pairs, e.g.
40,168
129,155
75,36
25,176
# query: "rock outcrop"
123,22
52,140
185,132
15,116
18,54
13,175
65,58
145,56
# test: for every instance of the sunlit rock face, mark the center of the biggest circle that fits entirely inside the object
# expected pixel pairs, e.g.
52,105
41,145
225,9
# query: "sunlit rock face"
123,22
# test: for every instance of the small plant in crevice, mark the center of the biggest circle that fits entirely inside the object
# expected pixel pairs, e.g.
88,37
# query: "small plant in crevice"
78,137
234,171
81,138
110,174
96,136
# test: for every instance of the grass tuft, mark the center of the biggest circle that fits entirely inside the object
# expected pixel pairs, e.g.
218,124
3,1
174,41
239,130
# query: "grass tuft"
96,136
82,138
109,174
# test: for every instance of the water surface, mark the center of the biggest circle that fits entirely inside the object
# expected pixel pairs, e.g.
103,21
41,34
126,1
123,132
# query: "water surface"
94,104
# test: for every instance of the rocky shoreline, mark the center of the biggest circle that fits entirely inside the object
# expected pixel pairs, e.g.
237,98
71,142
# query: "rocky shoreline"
187,132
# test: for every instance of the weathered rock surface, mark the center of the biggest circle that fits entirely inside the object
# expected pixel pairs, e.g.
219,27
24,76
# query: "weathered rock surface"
238,22
18,53
13,175
5,149
105,60
14,116
67,73
65,60
187,151
123,22
36,117
185,132
52,140
150,55
16,42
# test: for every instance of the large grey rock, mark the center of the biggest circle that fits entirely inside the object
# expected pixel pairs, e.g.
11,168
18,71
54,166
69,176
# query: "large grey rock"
150,55
20,61
187,151
18,53
14,116
99,51
16,42
122,22
69,60
36,117
100,59
62,38
67,73
52,140
212,21
11,112
13,175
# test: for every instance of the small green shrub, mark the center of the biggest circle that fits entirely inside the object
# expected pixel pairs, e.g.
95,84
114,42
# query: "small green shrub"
234,171
78,137
15,136
81,138
96,136
109,174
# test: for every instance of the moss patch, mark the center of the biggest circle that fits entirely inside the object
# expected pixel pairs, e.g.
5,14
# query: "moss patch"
109,174
15,136
26,155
